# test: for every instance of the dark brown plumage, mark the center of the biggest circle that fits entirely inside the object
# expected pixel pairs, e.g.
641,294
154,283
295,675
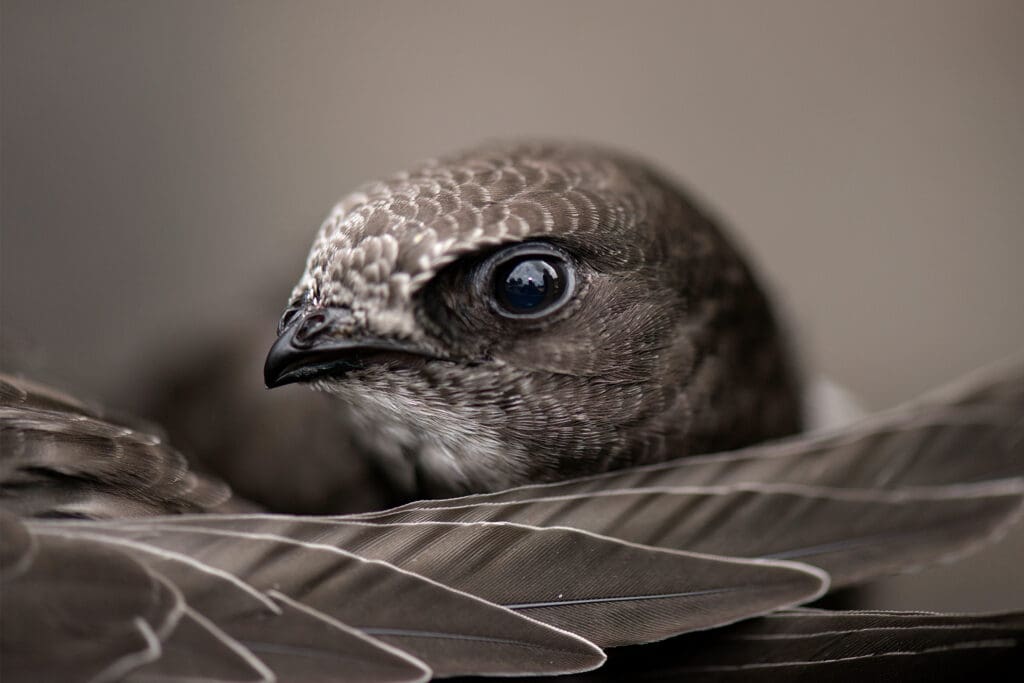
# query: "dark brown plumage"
548,315
665,346
516,581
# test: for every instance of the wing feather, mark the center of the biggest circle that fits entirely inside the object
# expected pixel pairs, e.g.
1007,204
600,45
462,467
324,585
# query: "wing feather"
499,583
607,591
61,459
108,612
854,535
816,645
198,650
227,575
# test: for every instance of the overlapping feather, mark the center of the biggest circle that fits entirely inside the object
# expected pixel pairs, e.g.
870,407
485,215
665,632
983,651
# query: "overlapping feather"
820,645
533,580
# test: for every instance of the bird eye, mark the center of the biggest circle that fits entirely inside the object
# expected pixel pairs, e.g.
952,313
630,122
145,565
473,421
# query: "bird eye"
531,281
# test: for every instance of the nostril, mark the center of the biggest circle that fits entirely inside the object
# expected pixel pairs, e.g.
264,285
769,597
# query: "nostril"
309,329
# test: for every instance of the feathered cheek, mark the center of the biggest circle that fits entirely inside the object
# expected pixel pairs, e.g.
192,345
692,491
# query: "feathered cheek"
363,384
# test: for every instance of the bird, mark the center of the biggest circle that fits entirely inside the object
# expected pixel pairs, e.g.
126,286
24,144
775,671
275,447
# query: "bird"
529,312
588,421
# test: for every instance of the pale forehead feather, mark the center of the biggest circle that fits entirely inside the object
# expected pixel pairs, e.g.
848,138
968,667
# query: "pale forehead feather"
387,239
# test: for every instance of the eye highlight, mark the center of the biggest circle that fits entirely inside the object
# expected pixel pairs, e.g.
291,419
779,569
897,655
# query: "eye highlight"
530,281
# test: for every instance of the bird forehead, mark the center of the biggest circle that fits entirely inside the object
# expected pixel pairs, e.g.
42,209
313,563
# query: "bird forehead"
386,240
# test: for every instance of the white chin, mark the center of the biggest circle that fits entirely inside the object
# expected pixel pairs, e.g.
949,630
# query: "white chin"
449,442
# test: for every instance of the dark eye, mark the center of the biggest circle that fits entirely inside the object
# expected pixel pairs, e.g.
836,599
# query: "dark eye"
531,281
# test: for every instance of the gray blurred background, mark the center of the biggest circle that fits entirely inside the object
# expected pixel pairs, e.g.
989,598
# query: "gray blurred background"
165,164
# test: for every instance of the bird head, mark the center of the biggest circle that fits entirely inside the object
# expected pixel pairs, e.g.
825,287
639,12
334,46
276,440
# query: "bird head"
530,312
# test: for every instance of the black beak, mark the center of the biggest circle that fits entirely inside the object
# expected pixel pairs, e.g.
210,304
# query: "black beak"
315,345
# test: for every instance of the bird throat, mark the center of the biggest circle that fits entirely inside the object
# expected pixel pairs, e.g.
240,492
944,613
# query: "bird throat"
427,448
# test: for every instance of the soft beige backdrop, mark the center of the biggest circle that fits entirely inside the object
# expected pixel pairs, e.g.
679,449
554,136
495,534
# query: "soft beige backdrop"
162,159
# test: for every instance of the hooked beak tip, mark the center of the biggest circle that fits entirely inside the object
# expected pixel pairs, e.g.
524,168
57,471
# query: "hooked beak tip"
279,360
